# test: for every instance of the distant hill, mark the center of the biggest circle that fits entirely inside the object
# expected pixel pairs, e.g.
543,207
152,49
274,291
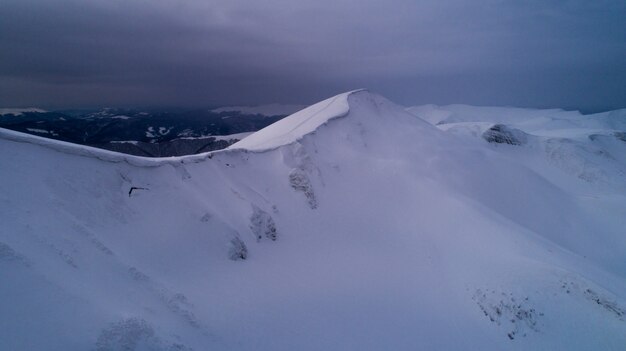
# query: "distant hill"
151,134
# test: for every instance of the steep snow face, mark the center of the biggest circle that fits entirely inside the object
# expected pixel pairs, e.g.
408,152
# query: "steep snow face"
350,225
298,125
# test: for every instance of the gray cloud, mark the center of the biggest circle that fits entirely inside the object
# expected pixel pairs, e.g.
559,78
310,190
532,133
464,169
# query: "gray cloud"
61,53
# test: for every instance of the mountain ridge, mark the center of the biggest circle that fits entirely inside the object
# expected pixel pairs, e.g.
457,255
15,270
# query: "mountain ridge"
376,230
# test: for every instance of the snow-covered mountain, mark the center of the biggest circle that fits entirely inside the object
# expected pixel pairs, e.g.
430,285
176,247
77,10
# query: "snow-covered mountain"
589,147
352,224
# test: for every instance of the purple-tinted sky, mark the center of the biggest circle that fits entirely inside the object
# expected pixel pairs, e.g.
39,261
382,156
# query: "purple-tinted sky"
88,53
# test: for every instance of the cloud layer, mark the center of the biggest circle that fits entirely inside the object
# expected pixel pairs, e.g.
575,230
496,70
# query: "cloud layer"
62,53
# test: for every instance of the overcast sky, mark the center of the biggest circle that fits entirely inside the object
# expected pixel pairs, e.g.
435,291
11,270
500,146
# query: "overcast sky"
90,53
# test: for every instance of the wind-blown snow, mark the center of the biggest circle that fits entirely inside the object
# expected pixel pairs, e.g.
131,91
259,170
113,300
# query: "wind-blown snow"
289,130
264,110
350,225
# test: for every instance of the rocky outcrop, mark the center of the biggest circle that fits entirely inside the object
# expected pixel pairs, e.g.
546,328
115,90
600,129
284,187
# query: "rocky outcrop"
502,134
299,181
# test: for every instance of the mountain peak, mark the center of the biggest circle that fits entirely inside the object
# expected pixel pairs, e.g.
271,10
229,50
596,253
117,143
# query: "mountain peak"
294,127
297,125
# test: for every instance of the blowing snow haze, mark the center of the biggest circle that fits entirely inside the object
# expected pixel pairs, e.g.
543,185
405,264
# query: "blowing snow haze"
69,53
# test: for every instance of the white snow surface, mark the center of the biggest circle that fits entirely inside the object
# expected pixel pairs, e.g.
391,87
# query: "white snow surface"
264,110
529,120
19,111
298,125
391,234
588,147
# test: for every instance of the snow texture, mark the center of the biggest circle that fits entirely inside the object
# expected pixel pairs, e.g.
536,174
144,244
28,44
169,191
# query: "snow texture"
425,236
289,130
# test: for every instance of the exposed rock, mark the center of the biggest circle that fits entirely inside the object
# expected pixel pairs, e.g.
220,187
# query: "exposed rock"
505,309
299,180
580,289
238,250
502,134
262,224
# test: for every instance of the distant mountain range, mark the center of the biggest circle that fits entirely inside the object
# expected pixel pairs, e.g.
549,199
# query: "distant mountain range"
151,134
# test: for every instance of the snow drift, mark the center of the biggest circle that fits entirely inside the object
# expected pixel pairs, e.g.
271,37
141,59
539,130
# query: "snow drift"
352,224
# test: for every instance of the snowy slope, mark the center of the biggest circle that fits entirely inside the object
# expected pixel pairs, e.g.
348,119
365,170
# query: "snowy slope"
362,227
588,147
527,119
302,123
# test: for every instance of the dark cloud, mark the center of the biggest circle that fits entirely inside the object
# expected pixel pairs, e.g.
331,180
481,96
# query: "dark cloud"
61,53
